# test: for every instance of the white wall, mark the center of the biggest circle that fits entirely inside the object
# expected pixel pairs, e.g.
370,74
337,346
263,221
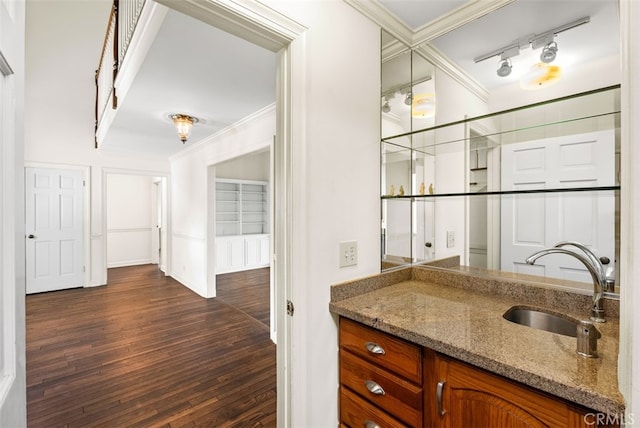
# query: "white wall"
336,179
60,116
254,166
451,171
629,363
130,214
12,282
191,185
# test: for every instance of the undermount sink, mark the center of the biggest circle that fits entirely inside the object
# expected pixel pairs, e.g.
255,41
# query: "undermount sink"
542,320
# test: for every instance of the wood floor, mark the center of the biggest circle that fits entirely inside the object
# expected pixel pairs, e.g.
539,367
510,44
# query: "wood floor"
144,351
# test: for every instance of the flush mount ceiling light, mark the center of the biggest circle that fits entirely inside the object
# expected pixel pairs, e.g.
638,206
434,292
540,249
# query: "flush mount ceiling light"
424,106
183,124
540,76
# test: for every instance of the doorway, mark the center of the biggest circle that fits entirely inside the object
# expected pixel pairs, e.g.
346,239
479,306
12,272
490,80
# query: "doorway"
136,213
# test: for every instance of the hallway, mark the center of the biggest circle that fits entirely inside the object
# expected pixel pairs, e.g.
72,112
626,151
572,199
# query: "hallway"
145,351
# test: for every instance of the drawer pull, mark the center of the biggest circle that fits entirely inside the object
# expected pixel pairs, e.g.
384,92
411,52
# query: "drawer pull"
439,389
373,387
370,424
374,348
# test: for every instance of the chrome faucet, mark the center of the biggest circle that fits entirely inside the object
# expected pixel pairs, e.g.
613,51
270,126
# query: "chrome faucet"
593,265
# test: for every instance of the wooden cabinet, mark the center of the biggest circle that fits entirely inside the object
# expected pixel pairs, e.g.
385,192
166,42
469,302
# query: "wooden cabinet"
380,378
461,395
389,382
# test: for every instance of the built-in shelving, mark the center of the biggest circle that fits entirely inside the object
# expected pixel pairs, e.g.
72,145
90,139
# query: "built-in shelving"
242,225
241,208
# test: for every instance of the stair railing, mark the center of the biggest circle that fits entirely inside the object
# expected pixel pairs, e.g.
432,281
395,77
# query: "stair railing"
120,28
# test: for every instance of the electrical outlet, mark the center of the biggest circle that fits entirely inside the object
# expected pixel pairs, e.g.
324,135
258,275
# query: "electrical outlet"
451,239
348,253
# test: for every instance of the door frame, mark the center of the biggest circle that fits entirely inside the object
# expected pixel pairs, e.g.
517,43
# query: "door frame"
86,210
103,206
272,30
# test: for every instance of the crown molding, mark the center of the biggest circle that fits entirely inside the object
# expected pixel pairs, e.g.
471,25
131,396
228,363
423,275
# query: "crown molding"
441,61
381,16
419,39
458,17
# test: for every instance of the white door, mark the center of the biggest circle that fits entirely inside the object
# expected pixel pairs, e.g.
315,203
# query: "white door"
54,229
533,222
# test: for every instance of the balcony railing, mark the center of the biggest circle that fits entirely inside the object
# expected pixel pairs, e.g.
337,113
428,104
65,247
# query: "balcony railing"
122,23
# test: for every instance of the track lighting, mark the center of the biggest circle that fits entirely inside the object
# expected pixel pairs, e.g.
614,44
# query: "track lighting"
408,99
386,108
534,41
505,68
549,52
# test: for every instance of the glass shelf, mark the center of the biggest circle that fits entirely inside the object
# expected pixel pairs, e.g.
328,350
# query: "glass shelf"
492,189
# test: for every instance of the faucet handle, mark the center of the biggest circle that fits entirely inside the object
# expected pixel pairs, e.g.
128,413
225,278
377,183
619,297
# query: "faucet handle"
605,260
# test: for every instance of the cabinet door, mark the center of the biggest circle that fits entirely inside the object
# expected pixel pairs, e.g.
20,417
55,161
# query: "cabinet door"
229,254
473,397
256,250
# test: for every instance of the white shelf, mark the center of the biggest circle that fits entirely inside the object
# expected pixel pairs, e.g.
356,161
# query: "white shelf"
241,207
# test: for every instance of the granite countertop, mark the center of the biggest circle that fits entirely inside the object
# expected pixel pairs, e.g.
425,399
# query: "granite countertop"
466,324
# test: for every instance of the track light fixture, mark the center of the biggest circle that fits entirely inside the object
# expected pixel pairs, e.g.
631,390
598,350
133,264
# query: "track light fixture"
504,68
549,52
408,99
386,108
535,41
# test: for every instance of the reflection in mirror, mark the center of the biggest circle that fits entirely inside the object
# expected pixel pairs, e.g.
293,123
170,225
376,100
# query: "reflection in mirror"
407,103
502,186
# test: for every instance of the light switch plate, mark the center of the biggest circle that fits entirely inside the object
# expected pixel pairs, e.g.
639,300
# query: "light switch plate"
348,253
451,239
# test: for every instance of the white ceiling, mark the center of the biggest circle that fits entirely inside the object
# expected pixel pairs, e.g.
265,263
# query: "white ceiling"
196,69
597,39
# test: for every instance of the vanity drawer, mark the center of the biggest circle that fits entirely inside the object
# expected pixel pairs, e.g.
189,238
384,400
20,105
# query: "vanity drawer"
400,398
356,412
397,355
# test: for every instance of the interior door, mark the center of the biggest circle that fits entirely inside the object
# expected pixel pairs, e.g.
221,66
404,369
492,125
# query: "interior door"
533,222
54,229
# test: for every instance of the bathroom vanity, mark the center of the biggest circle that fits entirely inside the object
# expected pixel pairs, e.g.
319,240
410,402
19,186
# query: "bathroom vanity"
422,346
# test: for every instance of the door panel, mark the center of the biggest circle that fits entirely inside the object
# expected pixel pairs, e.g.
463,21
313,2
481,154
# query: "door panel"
54,228
533,222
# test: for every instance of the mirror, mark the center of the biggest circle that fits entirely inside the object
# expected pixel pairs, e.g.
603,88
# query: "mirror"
488,191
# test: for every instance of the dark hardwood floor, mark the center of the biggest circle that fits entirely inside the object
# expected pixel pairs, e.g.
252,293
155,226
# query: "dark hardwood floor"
144,351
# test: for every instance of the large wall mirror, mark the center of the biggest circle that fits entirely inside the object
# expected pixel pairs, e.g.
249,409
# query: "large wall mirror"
466,187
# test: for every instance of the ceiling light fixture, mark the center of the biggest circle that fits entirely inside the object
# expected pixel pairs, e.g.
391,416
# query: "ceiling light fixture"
504,69
408,98
386,108
549,52
424,106
540,76
535,41
183,124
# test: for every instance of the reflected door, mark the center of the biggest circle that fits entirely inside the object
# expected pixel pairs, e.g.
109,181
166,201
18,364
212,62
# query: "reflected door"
54,227
533,222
